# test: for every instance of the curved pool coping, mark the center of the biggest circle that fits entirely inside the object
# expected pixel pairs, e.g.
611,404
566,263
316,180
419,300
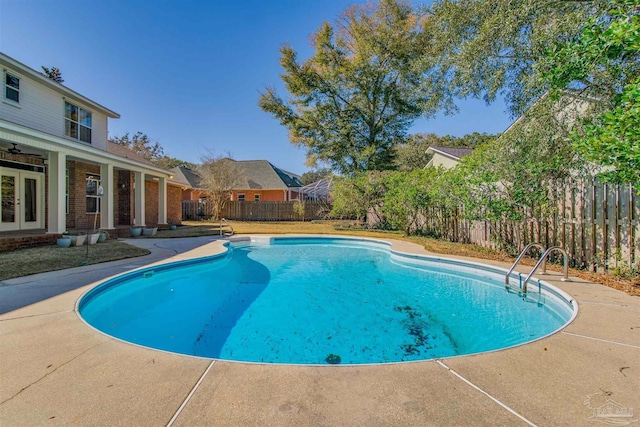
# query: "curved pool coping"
222,249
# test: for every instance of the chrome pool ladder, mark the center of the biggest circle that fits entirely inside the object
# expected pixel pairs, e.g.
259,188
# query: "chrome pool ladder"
225,223
542,261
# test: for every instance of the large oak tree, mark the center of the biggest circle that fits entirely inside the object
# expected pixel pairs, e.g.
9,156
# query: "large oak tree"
353,100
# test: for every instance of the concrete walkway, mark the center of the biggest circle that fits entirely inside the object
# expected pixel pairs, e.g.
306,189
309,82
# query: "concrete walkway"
55,370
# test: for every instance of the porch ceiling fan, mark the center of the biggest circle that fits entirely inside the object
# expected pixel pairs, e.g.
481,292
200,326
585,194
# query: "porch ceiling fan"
16,150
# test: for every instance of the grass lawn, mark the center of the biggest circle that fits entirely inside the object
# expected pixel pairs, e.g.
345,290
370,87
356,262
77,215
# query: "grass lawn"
24,262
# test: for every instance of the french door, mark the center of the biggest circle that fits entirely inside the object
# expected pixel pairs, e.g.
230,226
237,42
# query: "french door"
21,200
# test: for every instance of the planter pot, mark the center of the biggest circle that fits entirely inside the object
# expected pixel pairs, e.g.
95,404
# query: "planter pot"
63,242
150,231
77,240
173,227
92,239
102,237
136,231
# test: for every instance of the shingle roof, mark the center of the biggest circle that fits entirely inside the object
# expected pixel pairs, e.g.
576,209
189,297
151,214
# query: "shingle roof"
262,175
186,176
124,151
456,152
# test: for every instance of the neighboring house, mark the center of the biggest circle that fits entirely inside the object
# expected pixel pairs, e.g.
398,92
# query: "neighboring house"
57,170
447,157
262,181
190,180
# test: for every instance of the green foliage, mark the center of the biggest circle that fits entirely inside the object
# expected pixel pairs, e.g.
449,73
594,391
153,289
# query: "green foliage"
315,175
407,197
510,177
53,73
168,162
413,153
492,47
354,196
604,62
505,178
353,100
298,208
141,144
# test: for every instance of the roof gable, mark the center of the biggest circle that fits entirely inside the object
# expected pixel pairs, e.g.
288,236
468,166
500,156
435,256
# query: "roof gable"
186,176
262,175
455,153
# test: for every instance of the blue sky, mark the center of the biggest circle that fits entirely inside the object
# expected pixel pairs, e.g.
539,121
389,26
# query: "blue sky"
189,73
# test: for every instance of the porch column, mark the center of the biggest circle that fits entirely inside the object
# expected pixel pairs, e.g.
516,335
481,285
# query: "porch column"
57,217
162,200
107,200
139,211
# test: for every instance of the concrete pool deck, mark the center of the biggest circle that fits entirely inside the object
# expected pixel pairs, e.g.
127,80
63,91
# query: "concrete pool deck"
56,370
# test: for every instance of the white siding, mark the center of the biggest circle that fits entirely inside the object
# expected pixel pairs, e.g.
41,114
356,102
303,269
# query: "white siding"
42,108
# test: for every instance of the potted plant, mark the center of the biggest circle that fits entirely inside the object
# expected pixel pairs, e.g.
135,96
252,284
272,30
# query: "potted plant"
92,238
135,231
64,241
149,231
103,236
77,239
172,226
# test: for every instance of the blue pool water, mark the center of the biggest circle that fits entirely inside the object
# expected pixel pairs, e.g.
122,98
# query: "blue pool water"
319,301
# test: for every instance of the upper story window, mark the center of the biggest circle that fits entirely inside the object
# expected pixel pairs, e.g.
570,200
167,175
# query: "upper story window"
11,87
77,122
241,197
256,197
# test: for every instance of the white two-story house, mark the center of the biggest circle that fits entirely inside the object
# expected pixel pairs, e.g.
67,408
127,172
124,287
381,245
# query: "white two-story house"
58,172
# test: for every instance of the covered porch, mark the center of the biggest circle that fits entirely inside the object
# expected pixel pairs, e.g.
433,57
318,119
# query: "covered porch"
51,185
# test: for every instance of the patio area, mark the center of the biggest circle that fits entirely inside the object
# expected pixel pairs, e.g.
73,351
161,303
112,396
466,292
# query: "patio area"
56,370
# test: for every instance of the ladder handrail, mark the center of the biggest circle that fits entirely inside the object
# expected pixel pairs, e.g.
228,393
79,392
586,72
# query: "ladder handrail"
227,224
522,254
542,259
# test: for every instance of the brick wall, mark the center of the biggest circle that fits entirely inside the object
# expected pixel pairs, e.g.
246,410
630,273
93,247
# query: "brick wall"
190,194
77,218
151,202
265,195
12,243
174,204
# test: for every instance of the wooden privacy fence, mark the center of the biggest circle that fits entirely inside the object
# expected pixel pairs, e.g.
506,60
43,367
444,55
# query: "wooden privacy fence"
595,223
256,211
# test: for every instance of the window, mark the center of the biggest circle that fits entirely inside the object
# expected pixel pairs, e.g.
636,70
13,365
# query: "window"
256,197
93,199
77,122
11,87
241,197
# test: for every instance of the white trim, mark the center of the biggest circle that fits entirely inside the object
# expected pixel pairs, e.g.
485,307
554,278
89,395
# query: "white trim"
4,85
435,150
32,138
77,122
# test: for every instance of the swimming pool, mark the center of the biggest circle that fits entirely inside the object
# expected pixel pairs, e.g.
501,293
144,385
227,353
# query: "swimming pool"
322,301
